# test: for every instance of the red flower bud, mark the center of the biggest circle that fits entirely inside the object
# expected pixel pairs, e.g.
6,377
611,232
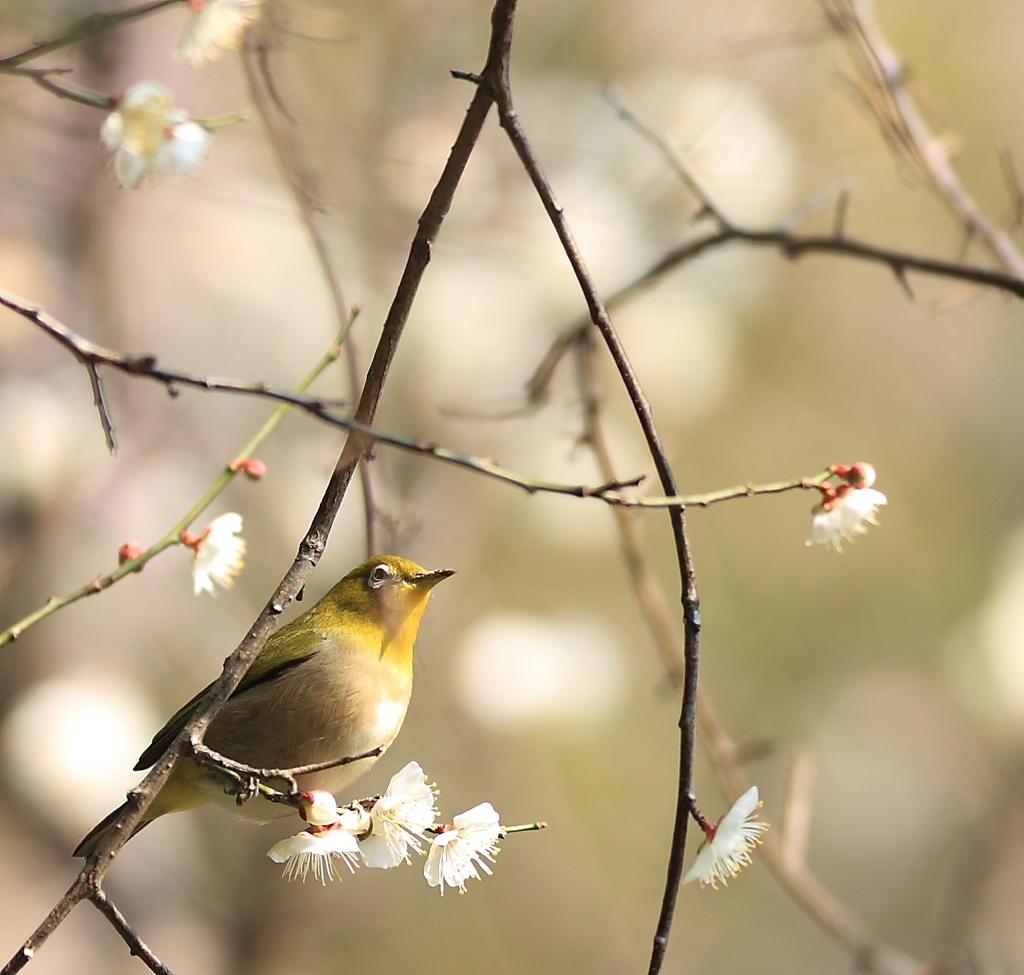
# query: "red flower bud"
251,467
860,475
191,540
129,551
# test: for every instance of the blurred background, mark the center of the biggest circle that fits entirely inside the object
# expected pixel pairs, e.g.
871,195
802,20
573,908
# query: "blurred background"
897,666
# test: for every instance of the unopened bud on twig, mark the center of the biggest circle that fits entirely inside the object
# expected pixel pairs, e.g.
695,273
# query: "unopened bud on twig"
251,467
129,551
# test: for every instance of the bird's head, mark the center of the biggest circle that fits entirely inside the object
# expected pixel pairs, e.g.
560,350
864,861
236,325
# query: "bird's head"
387,593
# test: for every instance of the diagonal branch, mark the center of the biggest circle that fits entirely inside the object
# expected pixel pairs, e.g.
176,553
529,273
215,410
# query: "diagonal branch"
43,77
172,536
86,27
139,949
313,544
831,914
884,88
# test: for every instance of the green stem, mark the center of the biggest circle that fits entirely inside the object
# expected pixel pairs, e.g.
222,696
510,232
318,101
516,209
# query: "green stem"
713,497
87,27
525,828
173,536
219,121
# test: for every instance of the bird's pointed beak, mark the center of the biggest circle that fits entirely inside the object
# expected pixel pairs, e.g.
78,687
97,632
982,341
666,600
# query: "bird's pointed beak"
431,579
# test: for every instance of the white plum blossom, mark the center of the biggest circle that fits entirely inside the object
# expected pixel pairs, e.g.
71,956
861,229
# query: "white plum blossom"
218,554
727,849
150,136
842,518
316,852
458,850
400,819
215,26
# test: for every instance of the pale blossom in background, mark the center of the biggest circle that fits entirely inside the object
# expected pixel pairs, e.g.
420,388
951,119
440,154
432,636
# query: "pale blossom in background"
400,819
219,554
215,26
150,136
844,517
468,844
568,671
727,851
67,745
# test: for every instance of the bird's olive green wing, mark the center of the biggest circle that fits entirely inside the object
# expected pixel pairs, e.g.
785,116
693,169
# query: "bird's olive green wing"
287,648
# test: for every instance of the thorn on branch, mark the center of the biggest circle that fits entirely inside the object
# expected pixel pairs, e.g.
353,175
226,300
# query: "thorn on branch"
99,400
140,363
900,271
465,76
839,224
611,486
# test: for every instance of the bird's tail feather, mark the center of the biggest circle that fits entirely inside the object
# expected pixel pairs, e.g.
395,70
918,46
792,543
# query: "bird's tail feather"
100,831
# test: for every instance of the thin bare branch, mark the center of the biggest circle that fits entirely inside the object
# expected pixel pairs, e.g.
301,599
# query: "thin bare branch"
496,79
280,122
796,813
139,949
789,245
204,754
832,915
86,27
872,955
883,80
100,402
654,604
43,77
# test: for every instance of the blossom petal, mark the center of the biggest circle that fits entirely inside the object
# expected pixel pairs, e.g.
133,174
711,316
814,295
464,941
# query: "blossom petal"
464,849
721,858
219,555
316,852
400,819
218,27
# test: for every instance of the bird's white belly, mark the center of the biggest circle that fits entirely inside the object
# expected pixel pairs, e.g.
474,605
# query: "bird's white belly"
389,715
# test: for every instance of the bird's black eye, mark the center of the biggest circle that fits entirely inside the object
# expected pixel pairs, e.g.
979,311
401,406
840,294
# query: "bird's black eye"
379,574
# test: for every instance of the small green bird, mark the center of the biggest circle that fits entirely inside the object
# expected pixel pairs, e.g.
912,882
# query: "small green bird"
334,682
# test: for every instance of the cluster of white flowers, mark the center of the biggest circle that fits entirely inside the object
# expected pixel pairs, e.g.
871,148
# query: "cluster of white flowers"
147,134
381,832
845,511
